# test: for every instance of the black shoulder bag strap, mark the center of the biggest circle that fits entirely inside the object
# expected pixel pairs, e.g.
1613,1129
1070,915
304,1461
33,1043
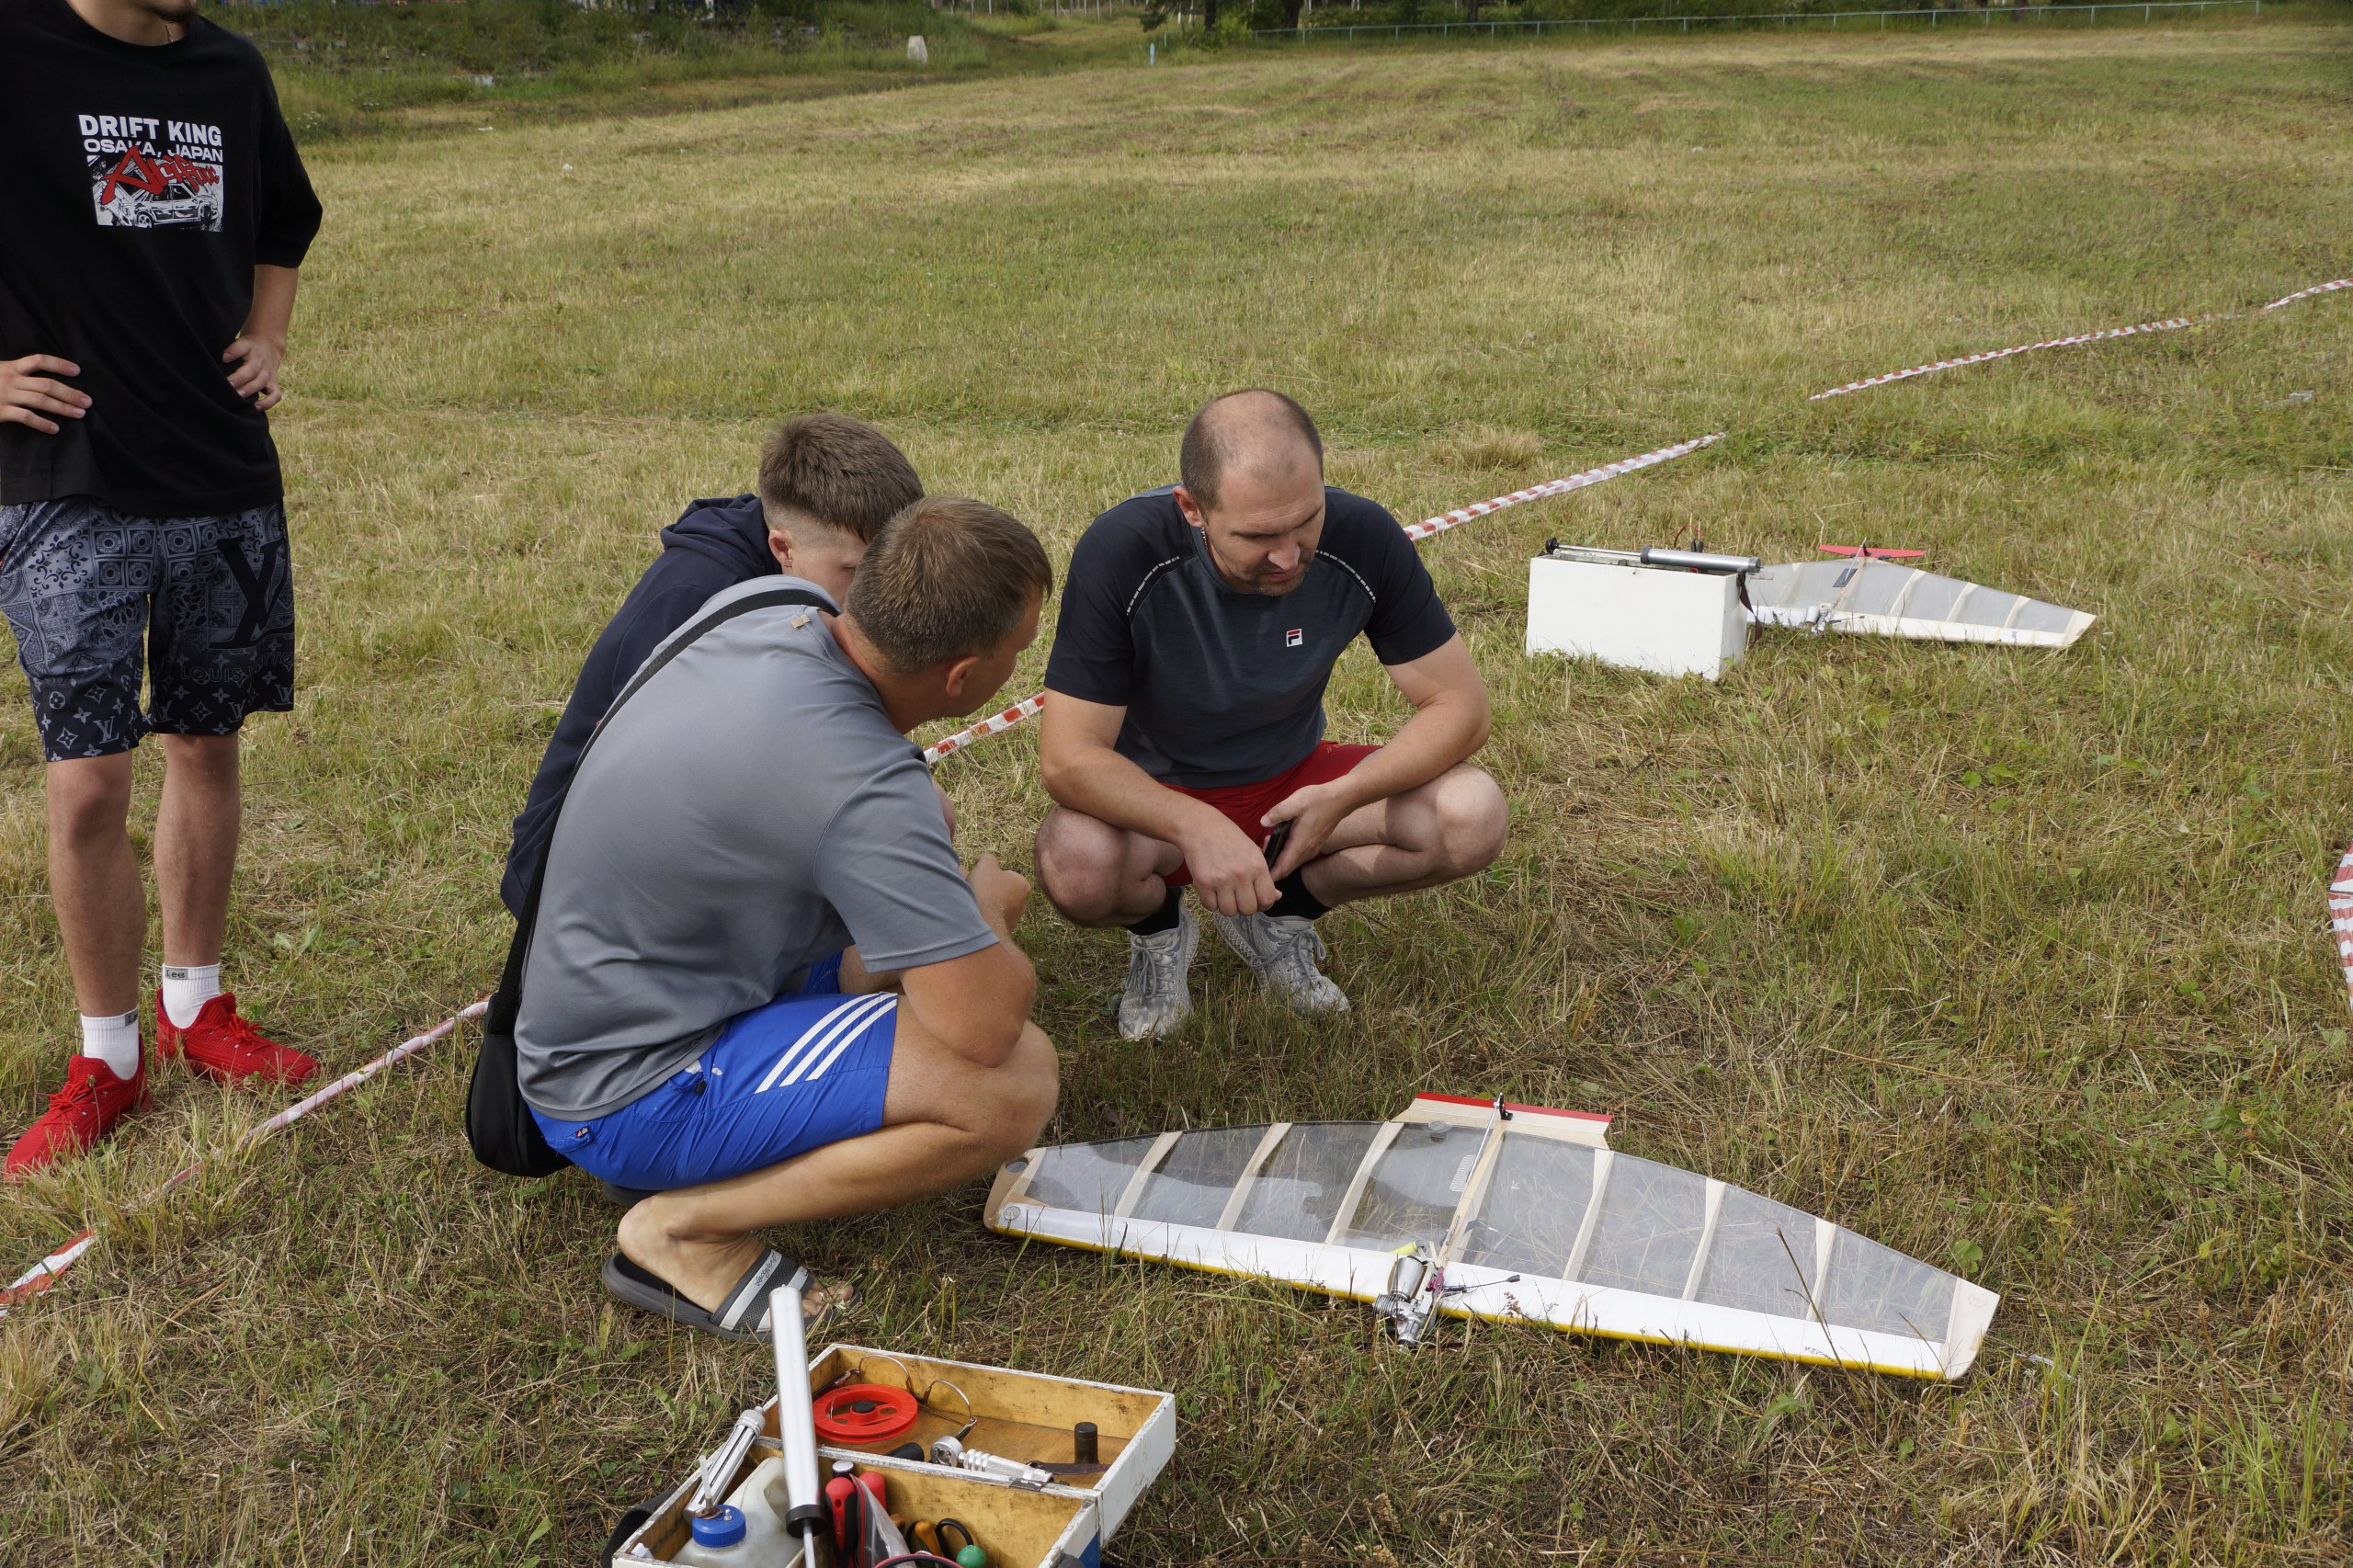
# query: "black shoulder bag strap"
499,1126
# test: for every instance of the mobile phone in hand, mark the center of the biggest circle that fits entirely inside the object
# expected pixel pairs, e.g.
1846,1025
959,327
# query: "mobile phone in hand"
1276,840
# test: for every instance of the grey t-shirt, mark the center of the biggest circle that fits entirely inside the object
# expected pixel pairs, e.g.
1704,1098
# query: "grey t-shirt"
747,813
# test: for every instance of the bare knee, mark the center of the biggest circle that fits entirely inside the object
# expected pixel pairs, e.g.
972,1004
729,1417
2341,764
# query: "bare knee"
200,759
1472,818
1030,1086
1079,862
89,798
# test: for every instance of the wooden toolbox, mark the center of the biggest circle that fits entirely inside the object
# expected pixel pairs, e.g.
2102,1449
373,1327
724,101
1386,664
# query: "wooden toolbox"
1019,1415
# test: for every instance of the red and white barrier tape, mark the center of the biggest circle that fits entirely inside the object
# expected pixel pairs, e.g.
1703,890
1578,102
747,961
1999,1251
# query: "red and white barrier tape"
994,723
2331,286
997,723
2340,917
45,1273
1461,514
2175,324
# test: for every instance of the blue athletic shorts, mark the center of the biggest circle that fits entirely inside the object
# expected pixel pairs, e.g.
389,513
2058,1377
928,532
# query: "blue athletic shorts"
803,1072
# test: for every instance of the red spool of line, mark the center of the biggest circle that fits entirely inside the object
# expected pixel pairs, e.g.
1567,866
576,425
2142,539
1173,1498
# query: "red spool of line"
858,1414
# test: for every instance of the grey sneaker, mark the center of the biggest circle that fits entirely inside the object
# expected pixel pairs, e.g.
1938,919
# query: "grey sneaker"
1158,999
1283,951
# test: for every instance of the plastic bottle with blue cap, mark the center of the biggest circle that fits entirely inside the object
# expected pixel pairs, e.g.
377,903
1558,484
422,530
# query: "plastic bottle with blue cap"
748,1532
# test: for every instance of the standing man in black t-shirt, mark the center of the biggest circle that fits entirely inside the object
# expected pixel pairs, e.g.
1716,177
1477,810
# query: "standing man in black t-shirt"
1200,625
151,223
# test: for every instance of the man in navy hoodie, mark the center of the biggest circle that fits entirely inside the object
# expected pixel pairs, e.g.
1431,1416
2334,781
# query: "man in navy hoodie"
828,485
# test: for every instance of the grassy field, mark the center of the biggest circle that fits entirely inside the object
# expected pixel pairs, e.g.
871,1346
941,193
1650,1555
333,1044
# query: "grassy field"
374,69
2011,959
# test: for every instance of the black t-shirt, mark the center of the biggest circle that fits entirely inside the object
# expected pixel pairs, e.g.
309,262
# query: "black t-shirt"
1224,688
144,185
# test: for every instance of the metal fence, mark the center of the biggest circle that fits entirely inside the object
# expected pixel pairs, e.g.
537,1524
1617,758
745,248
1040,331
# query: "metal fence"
1935,16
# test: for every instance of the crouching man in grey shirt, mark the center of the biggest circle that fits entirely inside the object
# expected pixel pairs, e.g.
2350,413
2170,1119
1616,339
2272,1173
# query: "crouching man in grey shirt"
759,985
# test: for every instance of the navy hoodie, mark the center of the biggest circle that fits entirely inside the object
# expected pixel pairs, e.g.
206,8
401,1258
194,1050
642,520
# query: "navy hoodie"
715,545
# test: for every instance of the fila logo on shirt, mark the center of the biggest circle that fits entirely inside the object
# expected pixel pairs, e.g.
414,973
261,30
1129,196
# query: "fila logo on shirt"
153,174
1295,638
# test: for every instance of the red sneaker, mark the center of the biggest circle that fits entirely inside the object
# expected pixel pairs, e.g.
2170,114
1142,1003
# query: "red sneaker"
80,1114
226,1049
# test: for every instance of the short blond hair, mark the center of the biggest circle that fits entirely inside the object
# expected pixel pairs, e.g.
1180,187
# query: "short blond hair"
946,579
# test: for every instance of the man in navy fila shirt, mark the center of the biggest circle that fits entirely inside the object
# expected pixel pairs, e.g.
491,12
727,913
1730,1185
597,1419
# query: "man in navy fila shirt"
1200,625
152,219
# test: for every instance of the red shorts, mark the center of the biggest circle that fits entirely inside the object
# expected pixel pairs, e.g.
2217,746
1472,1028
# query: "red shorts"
1244,804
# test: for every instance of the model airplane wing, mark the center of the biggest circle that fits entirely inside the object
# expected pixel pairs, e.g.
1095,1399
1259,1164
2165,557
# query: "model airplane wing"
1529,1216
1877,598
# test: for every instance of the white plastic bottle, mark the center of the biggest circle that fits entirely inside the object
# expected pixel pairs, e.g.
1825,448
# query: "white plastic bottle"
749,1531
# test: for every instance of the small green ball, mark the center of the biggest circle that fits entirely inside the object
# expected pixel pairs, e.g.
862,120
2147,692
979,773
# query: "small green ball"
972,1557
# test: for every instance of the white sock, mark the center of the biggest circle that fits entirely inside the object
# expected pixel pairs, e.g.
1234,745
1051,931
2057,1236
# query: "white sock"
186,988
113,1041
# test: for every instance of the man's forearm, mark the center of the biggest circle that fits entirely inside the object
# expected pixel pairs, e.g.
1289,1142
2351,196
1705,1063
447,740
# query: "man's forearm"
1105,786
272,315
1448,731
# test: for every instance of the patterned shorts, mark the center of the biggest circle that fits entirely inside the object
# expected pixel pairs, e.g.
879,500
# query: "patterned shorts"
206,603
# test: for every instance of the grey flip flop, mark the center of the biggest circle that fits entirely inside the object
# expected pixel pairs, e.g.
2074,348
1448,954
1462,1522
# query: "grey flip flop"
742,1314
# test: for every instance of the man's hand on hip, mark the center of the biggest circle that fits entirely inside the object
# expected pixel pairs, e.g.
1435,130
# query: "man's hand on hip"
1004,895
1229,871
27,392
256,376
1313,811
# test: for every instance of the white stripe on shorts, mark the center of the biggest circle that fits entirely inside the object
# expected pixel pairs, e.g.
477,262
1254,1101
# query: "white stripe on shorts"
846,1015
843,1041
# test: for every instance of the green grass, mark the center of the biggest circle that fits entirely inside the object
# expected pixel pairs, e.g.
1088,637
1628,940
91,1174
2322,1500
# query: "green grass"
373,69
2011,959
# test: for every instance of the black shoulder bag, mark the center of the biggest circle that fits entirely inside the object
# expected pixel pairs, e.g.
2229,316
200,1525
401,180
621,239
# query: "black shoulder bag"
499,1124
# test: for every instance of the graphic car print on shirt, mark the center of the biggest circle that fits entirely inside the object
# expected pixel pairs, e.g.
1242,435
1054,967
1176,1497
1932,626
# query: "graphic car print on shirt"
153,173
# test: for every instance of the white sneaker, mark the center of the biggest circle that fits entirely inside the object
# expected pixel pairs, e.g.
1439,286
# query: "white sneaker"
1157,998
1283,951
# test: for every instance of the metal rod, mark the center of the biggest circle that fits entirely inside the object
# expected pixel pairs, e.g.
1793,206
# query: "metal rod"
1699,560
796,1424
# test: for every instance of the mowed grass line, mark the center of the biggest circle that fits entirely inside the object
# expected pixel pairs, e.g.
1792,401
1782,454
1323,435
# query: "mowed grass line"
2011,959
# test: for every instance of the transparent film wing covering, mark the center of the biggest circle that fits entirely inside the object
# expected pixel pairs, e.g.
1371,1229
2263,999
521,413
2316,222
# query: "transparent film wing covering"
1298,1195
1762,1258
1534,1208
1560,1232
1088,1177
1193,1183
1649,1228
1413,1188
1876,1288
